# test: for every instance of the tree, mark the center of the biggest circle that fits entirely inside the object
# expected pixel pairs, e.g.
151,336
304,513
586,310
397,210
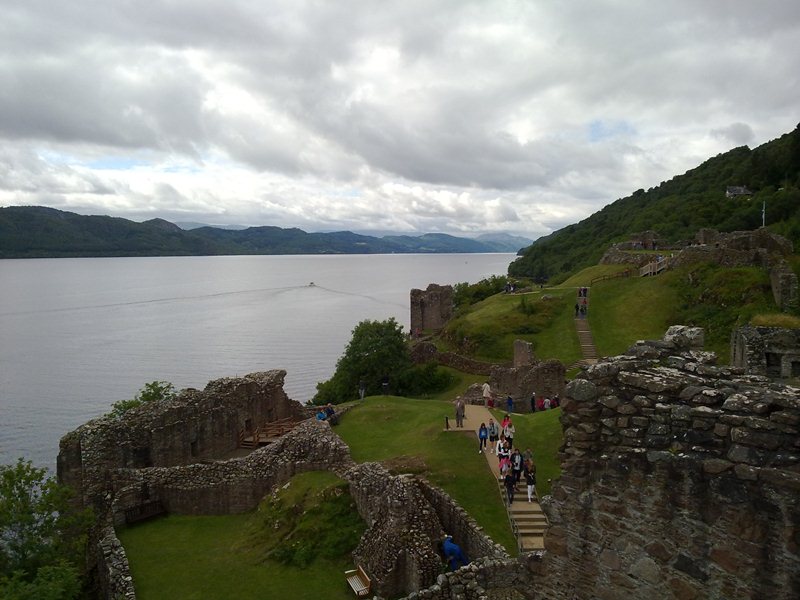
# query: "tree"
155,391
376,351
41,536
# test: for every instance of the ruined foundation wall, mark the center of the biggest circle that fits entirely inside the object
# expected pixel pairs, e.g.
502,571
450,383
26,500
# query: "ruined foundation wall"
680,479
197,425
235,485
546,378
407,517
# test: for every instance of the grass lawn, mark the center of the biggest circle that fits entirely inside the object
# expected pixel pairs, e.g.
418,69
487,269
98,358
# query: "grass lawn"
210,558
386,427
624,310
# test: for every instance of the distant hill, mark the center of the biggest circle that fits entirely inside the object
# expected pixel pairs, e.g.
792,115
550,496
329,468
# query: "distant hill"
38,232
677,208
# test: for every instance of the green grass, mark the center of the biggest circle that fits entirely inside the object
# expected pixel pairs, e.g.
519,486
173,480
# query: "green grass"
385,428
210,558
624,310
584,277
461,381
776,320
488,329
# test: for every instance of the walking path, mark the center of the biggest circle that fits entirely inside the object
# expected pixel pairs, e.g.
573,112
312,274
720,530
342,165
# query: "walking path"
527,519
585,339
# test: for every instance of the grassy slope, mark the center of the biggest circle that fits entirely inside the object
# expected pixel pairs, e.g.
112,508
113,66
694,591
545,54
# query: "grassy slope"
491,326
386,427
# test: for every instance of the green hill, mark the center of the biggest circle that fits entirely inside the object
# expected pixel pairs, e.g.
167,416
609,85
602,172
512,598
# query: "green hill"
40,232
678,208
621,311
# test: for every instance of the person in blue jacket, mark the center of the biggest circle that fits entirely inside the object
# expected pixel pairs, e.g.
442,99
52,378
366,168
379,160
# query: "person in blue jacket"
453,553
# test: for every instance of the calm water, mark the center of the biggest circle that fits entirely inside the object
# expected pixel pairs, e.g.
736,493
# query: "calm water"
77,335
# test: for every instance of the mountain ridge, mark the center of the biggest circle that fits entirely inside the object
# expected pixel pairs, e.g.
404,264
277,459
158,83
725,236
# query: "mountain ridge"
43,232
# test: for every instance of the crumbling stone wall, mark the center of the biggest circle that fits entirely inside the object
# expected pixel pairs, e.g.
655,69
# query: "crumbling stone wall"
197,425
767,351
424,352
680,479
546,378
784,287
759,248
406,519
523,354
431,308
235,485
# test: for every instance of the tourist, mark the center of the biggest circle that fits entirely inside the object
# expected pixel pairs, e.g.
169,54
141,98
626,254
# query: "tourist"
459,412
516,464
547,403
509,430
510,404
510,484
453,553
530,479
487,395
483,434
330,415
505,421
577,309
528,454
540,403
503,449
362,388
321,414
533,401
505,467
494,434
555,402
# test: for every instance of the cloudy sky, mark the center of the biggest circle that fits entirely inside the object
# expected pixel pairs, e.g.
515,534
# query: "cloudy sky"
437,115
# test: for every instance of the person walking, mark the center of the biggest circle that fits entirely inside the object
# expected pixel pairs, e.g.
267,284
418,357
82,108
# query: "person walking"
494,434
508,431
483,435
510,404
509,483
516,465
459,413
530,479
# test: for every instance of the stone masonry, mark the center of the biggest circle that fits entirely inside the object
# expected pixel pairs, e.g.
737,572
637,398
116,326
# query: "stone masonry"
431,308
680,479
769,351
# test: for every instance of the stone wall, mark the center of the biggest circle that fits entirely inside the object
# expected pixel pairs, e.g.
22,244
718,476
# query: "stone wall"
680,479
231,486
767,351
523,354
406,519
424,352
431,308
196,426
546,378
784,287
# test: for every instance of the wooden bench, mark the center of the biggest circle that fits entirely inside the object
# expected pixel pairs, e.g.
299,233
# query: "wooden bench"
358,581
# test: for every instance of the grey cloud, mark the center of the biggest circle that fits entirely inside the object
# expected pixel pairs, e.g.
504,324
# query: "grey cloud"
737,133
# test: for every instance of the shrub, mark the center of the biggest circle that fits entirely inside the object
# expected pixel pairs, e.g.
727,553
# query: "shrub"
155,391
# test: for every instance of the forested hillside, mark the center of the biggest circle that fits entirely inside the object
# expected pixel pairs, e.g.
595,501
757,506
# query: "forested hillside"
37,231
677,208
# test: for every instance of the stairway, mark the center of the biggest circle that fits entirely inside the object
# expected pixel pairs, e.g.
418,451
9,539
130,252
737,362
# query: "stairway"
588,351
527,519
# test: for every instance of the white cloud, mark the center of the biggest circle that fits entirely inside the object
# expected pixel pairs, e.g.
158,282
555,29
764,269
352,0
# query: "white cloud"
448,116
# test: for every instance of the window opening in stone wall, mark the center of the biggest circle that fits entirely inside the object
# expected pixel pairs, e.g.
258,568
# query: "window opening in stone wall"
796,368
773,364
193,446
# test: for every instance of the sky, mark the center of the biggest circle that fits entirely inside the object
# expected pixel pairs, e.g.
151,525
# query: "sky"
462,117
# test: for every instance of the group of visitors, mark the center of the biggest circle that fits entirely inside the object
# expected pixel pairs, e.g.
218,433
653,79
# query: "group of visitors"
513,464
582,304
544,402
327,413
